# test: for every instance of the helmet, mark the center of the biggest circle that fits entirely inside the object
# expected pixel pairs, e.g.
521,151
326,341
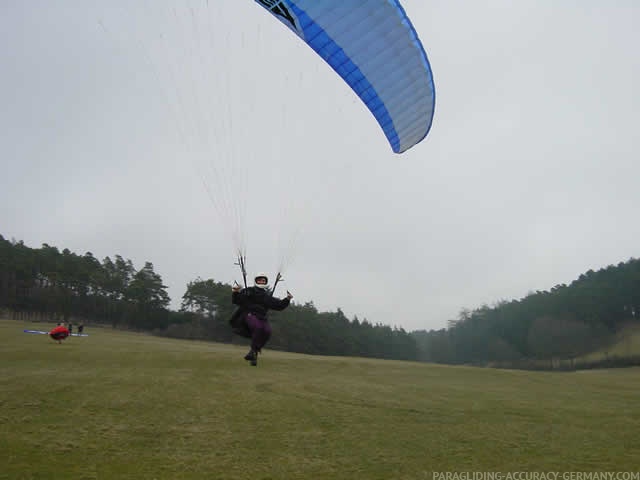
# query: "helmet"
261,281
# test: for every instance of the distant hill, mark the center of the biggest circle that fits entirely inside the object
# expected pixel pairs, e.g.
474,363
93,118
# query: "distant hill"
546,329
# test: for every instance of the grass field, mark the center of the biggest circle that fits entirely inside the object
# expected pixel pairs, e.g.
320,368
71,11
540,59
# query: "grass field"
119,405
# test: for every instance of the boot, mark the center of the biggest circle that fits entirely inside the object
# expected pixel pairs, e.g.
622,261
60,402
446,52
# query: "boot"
252,357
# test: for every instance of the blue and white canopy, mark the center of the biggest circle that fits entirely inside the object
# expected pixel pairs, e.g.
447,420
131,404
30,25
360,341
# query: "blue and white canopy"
373,46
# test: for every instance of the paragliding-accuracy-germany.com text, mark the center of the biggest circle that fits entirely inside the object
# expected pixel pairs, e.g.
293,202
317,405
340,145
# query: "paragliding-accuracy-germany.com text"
535,476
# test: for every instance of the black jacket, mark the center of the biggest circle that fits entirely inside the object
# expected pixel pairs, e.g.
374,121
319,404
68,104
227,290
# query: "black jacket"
258,301
253,300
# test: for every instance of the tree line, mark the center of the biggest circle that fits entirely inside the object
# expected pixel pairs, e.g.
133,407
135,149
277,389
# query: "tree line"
564,322
46,284
49,284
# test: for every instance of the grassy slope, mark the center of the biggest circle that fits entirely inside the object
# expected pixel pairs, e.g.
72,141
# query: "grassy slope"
129,406
626,344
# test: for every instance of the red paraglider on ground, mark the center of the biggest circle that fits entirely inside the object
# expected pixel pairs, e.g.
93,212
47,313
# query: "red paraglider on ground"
59,333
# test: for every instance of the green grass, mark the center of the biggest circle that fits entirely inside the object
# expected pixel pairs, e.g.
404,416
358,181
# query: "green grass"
119,405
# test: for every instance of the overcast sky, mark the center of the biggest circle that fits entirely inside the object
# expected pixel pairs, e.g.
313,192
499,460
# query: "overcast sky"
116,118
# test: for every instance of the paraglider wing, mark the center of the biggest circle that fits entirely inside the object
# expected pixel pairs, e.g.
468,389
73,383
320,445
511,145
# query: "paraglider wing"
40,332
373,46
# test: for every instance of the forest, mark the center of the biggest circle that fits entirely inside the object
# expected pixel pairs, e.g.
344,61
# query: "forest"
46,284
563,323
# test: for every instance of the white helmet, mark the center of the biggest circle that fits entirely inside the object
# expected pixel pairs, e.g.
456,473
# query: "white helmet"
261,281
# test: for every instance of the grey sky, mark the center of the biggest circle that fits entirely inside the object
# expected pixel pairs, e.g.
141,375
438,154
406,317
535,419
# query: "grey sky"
112,115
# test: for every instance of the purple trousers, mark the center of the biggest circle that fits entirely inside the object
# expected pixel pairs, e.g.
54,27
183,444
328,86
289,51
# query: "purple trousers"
260,331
